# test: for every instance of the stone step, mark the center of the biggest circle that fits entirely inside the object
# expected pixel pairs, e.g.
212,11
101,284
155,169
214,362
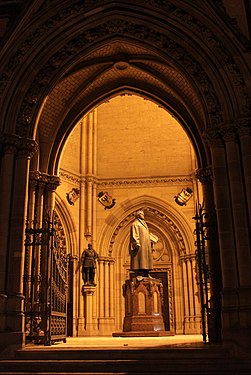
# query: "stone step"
204,360
200,352
150,366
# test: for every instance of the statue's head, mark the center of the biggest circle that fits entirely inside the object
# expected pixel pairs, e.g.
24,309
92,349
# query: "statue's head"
140,214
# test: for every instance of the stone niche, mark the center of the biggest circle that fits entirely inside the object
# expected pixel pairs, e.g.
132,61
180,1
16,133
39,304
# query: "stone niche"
143,307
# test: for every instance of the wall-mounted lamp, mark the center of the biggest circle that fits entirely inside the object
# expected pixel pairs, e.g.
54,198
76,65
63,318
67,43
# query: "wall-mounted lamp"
183,197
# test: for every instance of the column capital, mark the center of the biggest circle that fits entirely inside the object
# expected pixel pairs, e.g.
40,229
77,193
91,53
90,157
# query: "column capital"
243,125
88,289
89,179
213,137
228,132
26,147
21,146
204,175
51,181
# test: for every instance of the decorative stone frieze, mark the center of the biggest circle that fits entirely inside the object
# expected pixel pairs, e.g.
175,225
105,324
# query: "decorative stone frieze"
142,181
69,177
124,182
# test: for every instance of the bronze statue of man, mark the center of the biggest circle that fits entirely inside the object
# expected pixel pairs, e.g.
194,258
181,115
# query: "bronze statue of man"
88,261
140,246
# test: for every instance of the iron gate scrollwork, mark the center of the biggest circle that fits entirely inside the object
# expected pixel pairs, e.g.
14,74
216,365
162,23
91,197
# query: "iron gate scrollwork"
201,227
45,281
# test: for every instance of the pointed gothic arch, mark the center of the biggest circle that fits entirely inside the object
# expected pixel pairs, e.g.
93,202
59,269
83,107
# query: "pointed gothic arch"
174,256
38,60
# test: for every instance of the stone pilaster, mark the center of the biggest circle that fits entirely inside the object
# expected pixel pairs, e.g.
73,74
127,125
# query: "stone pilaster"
238,202
90,325
16,209
105,281
225,231
243,128
9,150
204,175
230,156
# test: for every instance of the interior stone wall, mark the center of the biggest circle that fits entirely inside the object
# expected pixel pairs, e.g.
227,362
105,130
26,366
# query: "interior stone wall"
140,155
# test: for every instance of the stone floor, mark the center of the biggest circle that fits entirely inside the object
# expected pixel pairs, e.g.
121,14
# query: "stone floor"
172,355
122,342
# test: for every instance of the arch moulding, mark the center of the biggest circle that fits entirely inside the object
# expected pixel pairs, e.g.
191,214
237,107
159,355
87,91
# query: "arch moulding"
156,211
79,42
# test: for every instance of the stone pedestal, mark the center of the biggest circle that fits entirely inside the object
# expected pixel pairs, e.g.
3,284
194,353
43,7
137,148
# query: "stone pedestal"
88,292
143,308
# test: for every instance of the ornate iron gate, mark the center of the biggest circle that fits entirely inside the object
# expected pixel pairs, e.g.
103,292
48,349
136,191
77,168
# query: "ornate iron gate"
202,267
45,282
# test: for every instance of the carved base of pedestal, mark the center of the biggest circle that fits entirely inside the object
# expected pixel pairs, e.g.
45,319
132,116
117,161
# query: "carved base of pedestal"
143,308
143,334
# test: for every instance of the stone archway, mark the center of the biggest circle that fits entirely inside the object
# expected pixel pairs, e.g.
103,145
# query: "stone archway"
212,69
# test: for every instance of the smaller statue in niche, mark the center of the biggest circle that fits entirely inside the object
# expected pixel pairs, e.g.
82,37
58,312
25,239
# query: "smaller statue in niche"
88,261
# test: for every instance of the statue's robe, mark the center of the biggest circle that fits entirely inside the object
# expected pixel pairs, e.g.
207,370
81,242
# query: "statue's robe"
141,258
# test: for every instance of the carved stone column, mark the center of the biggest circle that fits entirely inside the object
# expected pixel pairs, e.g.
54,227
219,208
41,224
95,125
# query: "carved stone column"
204,175
243,127
225,232
9,149
90,325
239,208
105,291
14,317
49,196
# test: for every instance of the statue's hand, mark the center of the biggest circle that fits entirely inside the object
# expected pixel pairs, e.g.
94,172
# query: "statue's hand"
135,250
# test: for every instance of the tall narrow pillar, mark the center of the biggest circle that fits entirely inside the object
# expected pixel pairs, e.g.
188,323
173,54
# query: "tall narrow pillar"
226,166
111,289
88,293
185,294
244,132
15,261
239,208
204,175
9,150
